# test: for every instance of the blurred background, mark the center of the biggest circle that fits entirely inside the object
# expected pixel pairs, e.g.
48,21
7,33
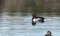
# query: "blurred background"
49,7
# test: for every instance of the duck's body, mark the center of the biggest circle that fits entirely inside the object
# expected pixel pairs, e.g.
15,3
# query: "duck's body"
35,19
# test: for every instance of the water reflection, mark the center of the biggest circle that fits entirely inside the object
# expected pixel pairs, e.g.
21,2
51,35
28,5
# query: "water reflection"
20,24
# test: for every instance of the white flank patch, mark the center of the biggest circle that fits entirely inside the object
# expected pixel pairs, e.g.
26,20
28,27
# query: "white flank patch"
35,20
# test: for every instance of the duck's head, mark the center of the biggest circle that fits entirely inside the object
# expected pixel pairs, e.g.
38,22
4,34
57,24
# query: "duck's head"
49,32
34,15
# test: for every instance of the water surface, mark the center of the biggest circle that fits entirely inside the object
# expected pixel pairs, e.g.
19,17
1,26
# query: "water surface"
18,25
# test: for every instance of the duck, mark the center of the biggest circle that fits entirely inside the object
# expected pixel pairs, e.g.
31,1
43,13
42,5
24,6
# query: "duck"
37,19
48,33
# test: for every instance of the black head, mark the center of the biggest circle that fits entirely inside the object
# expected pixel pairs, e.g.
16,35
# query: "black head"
49,32
34,15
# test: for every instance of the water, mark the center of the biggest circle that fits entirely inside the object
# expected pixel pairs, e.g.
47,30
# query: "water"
21,26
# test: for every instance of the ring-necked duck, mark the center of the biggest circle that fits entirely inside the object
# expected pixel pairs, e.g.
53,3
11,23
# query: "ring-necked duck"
48,33
35,19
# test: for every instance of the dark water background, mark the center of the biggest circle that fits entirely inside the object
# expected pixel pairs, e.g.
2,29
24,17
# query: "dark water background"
20,25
